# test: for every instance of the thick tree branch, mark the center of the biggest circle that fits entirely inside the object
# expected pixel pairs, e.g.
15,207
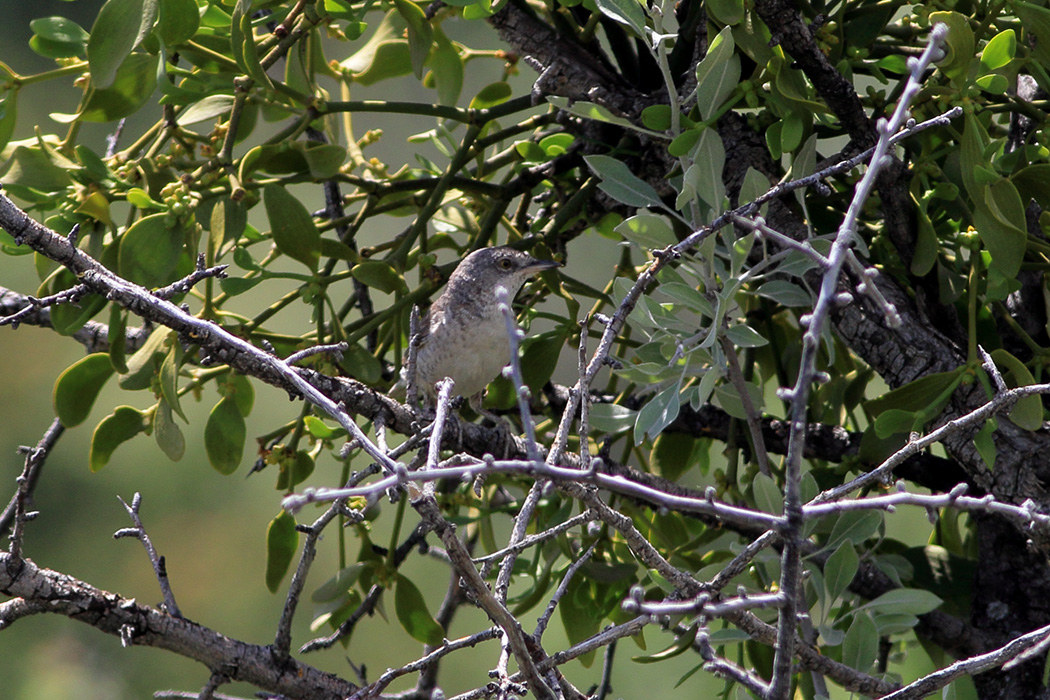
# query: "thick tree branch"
145,626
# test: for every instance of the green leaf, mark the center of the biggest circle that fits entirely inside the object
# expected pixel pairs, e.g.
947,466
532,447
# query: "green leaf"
144,363
719,83
590,110
959,44
67,319
714,74
119,27
579,612
768,496
791,133
282,541
33,168
240,387
242,43
785,293
420,33
58,37
611,418
235,285
138,197
133,85
149,251
296,471
8,117
337,586
745,337
861,643
225,225
361,364
647,230
224,436
999,51
59,29
709,159
1005,235
118,338
324,160
317,427
726,12
539,358
657,117
179,21
446,69
621,184
380,275
77,388
1036,22
689,297
413,615
914,601
995,84
627,12
681,644
1027,413
839,569
167,434
206,108
927,243
893,623
169,379
491,95
657,414
672,455
120,426
896,421
685,142
854,526
384,55
984,441
294,231
556,144
916,396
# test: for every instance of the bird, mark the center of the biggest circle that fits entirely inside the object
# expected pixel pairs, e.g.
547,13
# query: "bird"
464,335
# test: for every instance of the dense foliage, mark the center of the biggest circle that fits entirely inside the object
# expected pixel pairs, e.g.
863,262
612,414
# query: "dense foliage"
711,425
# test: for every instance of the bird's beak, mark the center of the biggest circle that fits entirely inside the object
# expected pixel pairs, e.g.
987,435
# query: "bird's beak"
540,265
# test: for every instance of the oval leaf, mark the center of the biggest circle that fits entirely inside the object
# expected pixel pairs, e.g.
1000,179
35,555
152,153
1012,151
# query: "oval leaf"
224,436
77,388
149,251
413,615
167,434
119,27
294,231
861,643
379,275
282,539
621,184
120,426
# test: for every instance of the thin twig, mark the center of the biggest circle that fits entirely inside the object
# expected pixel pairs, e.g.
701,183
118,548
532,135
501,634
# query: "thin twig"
15,515
559,593
159,567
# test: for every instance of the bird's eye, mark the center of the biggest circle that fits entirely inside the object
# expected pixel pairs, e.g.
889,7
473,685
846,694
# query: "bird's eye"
505,264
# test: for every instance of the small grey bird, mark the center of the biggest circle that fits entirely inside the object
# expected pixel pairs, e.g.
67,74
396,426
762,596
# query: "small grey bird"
464,335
